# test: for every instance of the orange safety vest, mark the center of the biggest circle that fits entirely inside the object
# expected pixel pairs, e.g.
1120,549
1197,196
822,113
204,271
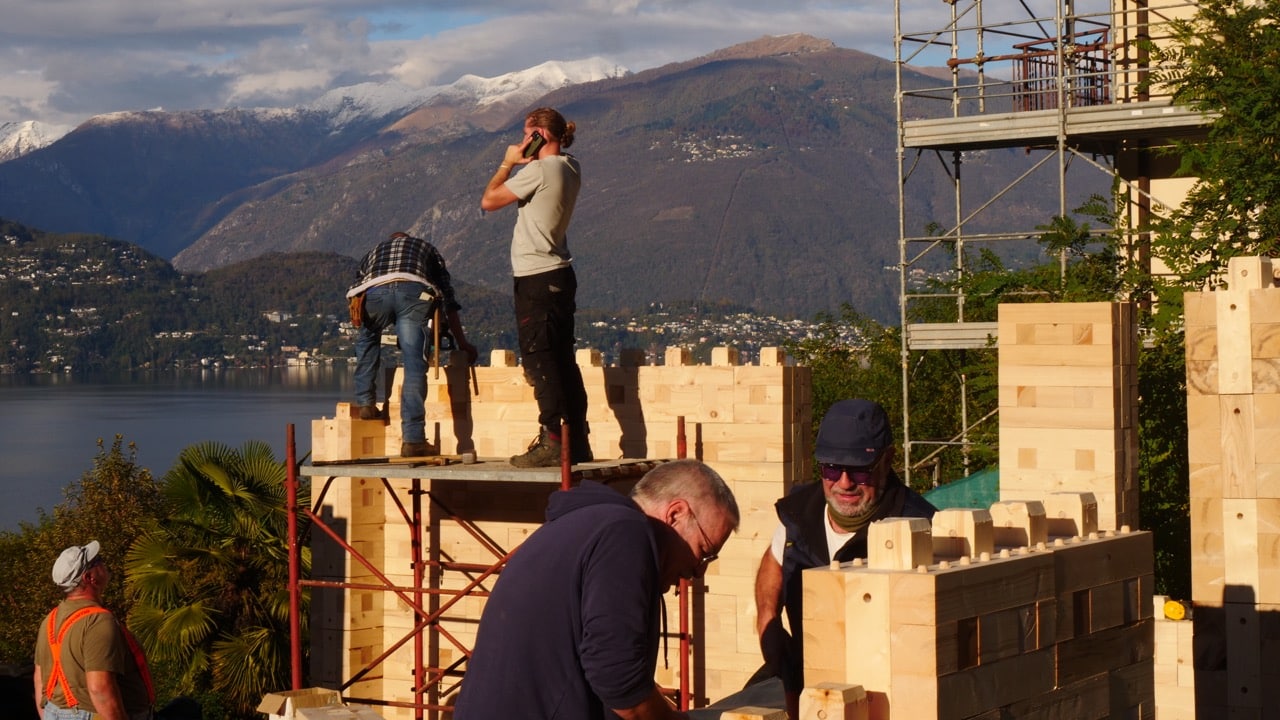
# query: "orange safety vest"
59,677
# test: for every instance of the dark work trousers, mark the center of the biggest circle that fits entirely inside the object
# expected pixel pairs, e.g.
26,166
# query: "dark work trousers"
544,321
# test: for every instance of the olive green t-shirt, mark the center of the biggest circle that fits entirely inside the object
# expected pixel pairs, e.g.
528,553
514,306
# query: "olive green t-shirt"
94,642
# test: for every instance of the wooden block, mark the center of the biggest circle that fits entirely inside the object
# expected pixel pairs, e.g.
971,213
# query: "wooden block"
1018,523
1266,429
1087,417
1096,653
899,544
847,630
1007,633
1264,343
1268,588
1087,376
1057,314
920,654
1238,474
632,357
753,713
1266,375
1086,563
1085,354
1249,273
834,701
1244,655
986,687
1240,549
1081,567
1107,605
1235,371
721,356
961,532
1204,430
1199,309
772,357
1202,376
678,357
963,591
502,358
589,357
1071,514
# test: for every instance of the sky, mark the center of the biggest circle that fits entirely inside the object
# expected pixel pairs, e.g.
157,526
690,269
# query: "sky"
63,61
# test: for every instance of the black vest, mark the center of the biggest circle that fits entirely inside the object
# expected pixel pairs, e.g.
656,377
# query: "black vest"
803,513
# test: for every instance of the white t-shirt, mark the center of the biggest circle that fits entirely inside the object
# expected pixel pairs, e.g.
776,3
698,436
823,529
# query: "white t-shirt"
835,538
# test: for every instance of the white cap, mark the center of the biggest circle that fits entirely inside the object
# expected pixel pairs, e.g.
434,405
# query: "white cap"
72,563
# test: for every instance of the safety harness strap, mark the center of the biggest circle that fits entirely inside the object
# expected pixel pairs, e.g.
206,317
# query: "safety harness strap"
58,677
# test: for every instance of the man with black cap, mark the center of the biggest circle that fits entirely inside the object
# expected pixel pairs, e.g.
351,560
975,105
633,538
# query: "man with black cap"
87,664
826,521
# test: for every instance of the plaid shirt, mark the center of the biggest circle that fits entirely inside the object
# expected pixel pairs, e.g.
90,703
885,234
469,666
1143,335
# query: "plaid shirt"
405,258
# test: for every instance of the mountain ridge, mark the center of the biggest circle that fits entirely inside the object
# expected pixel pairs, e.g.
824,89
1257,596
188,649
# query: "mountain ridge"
761,175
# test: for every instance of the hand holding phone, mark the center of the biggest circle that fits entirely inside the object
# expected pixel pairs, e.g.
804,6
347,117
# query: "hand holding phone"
536,141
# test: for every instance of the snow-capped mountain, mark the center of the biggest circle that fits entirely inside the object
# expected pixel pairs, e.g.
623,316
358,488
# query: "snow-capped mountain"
364,103
19,138
176,173
369,101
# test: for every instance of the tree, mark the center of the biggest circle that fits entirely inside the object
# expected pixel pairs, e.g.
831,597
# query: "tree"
209,578
1224,60
872,368
1077,264
110,503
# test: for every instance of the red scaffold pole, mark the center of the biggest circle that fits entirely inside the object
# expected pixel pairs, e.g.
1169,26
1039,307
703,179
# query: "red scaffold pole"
295,560
682,450
566,454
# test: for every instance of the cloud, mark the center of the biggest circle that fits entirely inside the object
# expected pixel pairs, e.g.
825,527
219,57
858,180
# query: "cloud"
65,60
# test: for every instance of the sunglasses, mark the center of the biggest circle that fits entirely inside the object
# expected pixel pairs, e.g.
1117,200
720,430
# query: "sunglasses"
862,475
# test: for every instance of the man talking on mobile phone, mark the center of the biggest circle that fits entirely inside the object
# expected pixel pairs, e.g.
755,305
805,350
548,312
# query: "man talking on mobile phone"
545,191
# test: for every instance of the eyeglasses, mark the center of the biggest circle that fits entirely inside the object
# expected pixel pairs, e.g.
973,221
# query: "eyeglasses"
862,475
705,559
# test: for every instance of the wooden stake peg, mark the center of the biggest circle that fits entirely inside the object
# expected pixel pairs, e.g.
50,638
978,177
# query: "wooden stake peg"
899,544
834,701
1250,273
962,532
1019,523
1070,514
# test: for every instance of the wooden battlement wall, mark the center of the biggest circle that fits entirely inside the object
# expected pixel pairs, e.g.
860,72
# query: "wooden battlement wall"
1059,628
751,423
1233,421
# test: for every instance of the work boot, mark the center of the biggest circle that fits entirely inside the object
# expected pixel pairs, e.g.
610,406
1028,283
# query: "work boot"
369,412
417,449
544,451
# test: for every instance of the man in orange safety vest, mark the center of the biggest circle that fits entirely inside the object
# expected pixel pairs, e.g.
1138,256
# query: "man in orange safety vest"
87,664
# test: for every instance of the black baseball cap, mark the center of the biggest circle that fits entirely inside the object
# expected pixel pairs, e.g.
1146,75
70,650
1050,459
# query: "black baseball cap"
853,432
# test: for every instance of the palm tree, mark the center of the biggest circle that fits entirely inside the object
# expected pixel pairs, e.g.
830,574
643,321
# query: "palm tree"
210,577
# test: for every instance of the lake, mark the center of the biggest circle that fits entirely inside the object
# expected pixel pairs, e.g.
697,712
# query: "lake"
50,424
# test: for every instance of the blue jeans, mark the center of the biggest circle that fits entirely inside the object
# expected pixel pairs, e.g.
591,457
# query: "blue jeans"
53,712
399,304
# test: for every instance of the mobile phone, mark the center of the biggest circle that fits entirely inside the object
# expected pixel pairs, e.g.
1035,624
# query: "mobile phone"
534,145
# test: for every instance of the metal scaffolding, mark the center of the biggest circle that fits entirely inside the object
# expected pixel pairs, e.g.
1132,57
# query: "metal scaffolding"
1069,81
422,511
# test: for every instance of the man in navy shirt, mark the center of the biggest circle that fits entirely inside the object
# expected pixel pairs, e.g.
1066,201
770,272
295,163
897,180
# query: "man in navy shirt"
571,629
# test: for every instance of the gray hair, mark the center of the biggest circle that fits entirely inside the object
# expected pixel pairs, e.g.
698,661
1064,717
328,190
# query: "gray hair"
691,480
